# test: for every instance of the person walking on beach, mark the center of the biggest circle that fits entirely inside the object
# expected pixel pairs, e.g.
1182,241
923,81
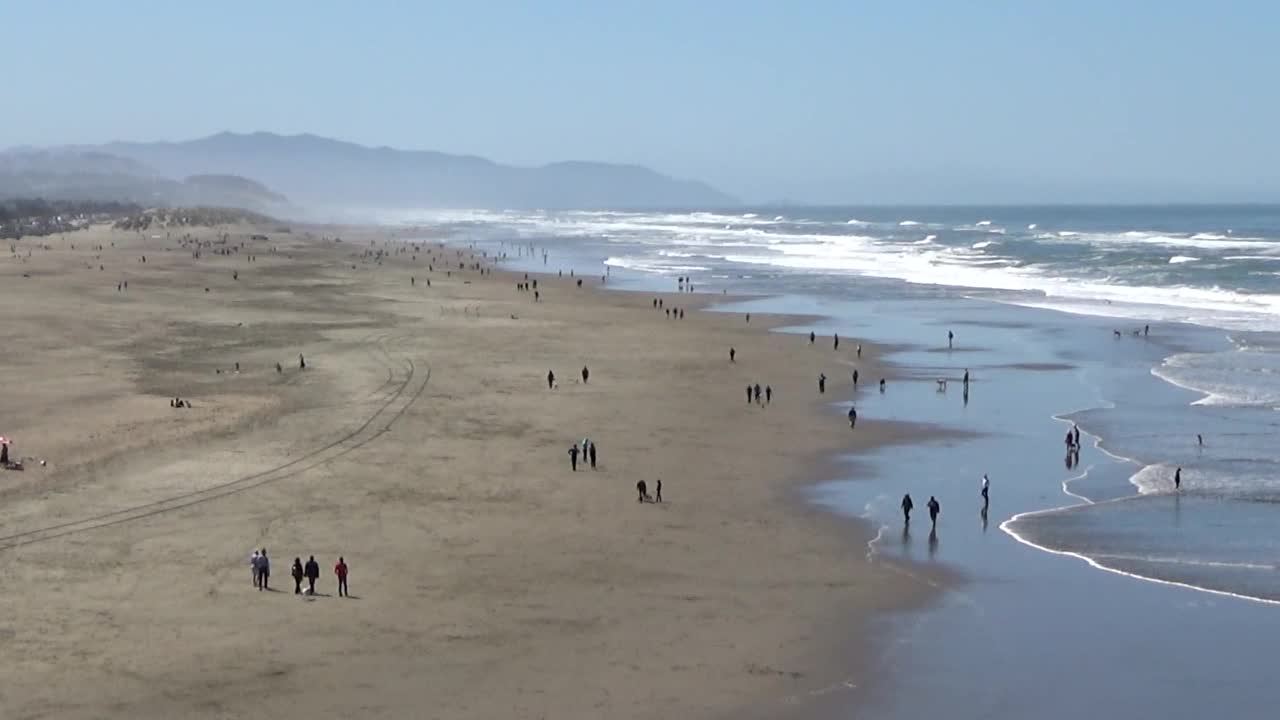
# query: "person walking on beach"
313,573
585,374
756,391
1075,431
835,341
881,386
1199,440
950,339
732,354
297,576
966,379
1071,441
859,350
255,564
768,394
658,491
1177,479
853,417
855,379
551,379
986,487
302,362
822,382
934,509
748,394
264,571
341,571
573,457
591,453
642,491
907,507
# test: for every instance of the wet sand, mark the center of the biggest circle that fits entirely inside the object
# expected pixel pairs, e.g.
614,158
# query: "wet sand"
423,444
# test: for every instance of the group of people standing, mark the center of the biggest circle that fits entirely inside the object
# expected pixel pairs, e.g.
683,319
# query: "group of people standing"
260,564
587,452
755,395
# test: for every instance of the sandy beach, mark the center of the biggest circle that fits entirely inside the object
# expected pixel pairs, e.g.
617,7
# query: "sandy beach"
423,444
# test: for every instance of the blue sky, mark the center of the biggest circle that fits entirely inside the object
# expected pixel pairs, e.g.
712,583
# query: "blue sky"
835,102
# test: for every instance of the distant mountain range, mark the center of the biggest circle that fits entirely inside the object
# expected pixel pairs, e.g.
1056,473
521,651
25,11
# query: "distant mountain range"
316,172
94,176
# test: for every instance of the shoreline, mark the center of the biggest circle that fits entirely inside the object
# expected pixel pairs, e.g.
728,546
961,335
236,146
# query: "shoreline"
476,549
839,695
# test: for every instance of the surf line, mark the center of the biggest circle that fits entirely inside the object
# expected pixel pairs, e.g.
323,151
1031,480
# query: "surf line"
1095,564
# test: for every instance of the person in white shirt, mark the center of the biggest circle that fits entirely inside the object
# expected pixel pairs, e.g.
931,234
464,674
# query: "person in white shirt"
254,565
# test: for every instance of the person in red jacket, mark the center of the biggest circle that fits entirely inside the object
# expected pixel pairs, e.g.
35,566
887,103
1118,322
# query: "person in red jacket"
341,571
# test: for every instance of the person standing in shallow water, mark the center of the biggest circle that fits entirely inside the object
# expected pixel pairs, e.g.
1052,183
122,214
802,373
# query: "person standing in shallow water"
855,379
1177,479
934,509
986,487
853,417
907,507
950,339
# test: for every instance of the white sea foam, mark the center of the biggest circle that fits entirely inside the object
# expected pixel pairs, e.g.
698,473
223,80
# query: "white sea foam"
1243,377
1142,237
759,241
984,243
1179,259
1032,226
983,223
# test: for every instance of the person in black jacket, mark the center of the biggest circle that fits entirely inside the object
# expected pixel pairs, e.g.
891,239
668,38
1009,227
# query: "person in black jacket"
312,571
297,576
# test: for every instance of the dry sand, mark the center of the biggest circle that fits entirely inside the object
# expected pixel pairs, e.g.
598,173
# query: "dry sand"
422,442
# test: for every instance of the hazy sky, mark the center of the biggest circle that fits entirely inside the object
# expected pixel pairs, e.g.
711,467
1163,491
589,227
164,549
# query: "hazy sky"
889,101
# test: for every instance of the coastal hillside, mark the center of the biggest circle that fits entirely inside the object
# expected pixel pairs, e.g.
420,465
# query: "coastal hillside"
313,170
94,176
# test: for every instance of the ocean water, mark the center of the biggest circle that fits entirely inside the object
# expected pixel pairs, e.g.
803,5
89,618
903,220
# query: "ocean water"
1092,588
